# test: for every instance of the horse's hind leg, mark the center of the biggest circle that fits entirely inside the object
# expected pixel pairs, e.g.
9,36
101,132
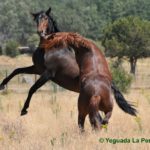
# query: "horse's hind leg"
107,117
95,120
82,108
28,70
108,110
94,116
99,117
41,81
81,120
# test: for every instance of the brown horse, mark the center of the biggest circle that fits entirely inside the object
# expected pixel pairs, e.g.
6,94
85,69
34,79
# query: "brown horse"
95,78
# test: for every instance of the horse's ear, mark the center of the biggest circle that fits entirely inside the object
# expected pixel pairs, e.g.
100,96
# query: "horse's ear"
48,11
34,15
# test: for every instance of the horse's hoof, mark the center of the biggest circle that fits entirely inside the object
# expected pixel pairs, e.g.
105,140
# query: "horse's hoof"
23,112
82,130
104,122
2,87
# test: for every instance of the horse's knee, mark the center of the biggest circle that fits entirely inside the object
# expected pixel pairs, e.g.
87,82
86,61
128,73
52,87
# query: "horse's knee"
32,90
81,119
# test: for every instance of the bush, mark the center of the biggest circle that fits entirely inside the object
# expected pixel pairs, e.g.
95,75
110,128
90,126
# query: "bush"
121,78
34,39
11,48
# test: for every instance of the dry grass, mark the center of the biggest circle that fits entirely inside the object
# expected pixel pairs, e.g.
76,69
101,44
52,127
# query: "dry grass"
52,122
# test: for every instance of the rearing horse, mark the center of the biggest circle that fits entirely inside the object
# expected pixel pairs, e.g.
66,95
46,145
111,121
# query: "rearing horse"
94,77
66,74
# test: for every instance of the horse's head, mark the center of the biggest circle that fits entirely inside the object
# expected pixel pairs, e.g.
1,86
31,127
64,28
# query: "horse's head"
45,23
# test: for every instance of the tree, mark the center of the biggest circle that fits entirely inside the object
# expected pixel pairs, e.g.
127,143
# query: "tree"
87,17
121,78
128,38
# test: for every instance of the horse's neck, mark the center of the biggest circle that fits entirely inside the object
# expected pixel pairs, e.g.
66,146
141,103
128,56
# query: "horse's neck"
55,31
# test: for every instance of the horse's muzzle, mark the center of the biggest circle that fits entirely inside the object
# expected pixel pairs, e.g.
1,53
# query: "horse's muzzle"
42,34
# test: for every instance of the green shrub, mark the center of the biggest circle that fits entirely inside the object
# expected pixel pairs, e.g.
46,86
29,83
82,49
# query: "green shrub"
11,48
33,41
121,78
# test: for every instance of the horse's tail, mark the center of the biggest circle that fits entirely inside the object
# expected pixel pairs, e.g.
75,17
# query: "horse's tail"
121,101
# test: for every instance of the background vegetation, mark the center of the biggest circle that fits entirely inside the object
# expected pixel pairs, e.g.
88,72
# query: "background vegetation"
128,37
121,26
88,17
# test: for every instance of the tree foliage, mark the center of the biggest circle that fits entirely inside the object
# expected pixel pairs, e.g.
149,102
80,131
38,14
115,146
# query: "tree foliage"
121,78
87,17
11,48
128,37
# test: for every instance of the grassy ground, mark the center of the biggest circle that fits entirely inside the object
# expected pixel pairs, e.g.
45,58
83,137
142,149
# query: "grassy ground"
52,119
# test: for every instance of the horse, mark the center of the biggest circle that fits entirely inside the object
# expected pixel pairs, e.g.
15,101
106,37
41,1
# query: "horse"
94,77
66,74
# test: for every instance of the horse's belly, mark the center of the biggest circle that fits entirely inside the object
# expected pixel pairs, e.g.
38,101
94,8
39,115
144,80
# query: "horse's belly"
67,82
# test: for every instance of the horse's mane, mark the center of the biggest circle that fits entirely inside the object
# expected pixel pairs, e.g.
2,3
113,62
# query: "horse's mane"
54,24
65,39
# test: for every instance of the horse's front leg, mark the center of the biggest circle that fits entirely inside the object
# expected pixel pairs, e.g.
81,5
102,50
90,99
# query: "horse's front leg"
40,82
27,70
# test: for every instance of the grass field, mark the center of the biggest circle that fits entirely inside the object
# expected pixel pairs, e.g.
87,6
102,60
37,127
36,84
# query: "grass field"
52,119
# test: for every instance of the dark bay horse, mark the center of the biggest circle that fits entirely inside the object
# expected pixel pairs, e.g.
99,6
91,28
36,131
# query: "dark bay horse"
66,74
94,78
60,67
